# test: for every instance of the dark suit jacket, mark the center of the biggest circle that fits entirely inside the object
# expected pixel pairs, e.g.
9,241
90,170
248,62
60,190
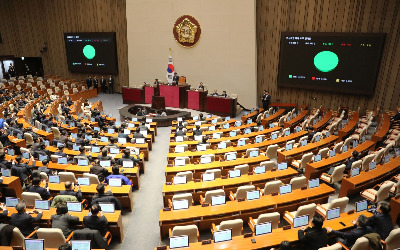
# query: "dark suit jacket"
350,162
24,222
175,79
110,81
312,238
60,153
103,81
97,223
78,194
42,191
351,237
197,132
63,222
381,224
180,133
138,135
99,171
22,171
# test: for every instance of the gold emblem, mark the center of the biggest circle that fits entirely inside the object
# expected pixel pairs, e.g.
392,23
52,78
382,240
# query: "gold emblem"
187,31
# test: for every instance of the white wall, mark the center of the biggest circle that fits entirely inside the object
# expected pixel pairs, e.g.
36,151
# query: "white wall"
224,58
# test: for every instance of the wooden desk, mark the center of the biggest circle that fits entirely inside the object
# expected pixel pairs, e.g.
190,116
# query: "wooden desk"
293,122
203,217
315,169
368,179
196,99
252,114
13,183
395,209
124,193
200,188
383,128
114,219
221,106
323,122
272,118
288,155
277,236
349,128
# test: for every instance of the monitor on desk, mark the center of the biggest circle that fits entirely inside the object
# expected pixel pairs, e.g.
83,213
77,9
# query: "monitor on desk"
313,183
288,118
96,129
271,125
221,145
198,137
95,149
11,201
115,182
180,162
179,119
303,143
231,157
140,141
274,136
179,139
88,137
143,132
11,152
83,162
54,179
234,173
198,123
127,164
47,143
238,123
317,158
259,170
300,221
254,153
205,160
218,200
114,151
121,140
195,118
106,163
179,149
5,172
26,155
211,128
261,128
74,135
285,189
75,147
355,172
298,129
253,195
19,136
386,159
216,135
288,147
282,166
42,204
131,125
178,241
74,206
333,213
84,181
201,147
134,119
344,149
317,138
180,204
225,126
208,176
227,118
355,143
372,165
179,180
249,121
222,235
397,151
127,131
259,139
62,160
80,245
287,132
241,142
263,228
232,133
34,244
149,120
361,206
107,207
104,139
247,131
110,131
332,153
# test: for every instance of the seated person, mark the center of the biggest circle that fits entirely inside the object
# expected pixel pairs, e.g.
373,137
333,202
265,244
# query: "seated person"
121,133
127,156
96,220
24,221
201,117
139,112
224,94
21,170
63,220
98,170
381,222
4,163
354,157
215,93
104,155
69,190
137,134
197,131
60,151
101,188
201,87
45,168
143,127
41,150
163,113
204,141
311,133
180,132
117,174
36,188
113,143
65,246
314,237
349,238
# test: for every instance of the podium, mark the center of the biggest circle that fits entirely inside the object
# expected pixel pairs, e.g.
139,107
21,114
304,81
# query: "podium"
196,99
158,102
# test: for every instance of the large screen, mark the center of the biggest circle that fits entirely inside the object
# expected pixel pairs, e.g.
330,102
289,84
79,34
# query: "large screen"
339,62
93,52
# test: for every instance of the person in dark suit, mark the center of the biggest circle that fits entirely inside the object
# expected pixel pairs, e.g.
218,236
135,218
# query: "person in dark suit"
111,84
215,93
127,156
36,188
89,82
96,84
63,220
121,133
349,238
354,157
93,221
314,237
21,170
11,70
197,131
69,101
98,170
224,94
104,155
381,222
180,132
137,134
24,221
175,79
101,191
201,87
266,98
4,162
103,84
60,152
311,133
69,190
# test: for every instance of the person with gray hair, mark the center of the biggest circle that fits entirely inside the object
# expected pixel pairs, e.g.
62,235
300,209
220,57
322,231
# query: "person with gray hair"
349,238
24,221
382,221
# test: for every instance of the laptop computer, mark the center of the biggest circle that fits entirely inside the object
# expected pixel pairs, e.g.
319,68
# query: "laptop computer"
106,163
238,124
11,201
285,189
303,143
178,241
211,128
263,228
344,149
42,157
300,221
127,164
107,207
180,204
115,182
222,235
74,206
260,128
247,131
333,213
42,204
180,162
84,181
26,155
287,132
225,126
34,244
80,244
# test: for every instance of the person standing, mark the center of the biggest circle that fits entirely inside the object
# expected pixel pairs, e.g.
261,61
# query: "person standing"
175,79
96,84
11,70
266,98
103,84
111,85
89,82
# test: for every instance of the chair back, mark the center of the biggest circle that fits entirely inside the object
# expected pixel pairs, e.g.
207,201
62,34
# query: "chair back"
306,158
186,158
366,161
272,187
53,237
30,197
187,174
67,176
272,151
274,218
387,149
236,226
339,202
298,182
94,179
281,122
383,192
306,210
361,243
379,155
393,240
190,230
217,172
211,193
56,132
185,196
28,138
17,238
337,174
347,142
209,155
241,192
323,152
356,164
244,168
338,147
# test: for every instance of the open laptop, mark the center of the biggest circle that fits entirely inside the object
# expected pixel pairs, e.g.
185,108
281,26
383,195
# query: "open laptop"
218,200
285,189
42,204
179,180
42,157
107,207
115,182
223,235
84,181
80,244
127,164
300,221
11,201
333,213
180,204
54,179
74,206
62,160
83,162
263,228
88,137
95,149
26,155
106,163
313,183
238,123
253,195
234,173
127,131
34,244
178,241
361,206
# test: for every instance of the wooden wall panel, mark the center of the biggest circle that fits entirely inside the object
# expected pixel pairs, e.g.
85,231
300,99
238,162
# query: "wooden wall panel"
275,16
26,24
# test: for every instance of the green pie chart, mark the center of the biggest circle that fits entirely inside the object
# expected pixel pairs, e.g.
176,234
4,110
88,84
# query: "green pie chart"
89,52
326,61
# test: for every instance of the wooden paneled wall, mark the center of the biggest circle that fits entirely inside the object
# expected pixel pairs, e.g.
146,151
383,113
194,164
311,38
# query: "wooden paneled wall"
274,16
26,24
